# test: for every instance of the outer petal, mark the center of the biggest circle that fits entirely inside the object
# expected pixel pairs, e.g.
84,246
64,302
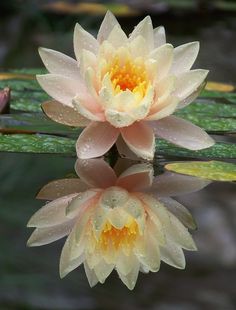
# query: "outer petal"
164,111
160,61
61,88
53,213
182,133
108,23
124,150
136,177
186,101
173,255
159,36
130,279
91,275
184,57
64,114
173,184
42,236
58,63
96,140
188,82
91,170
60,188
83,40
140,139
144,29
180,212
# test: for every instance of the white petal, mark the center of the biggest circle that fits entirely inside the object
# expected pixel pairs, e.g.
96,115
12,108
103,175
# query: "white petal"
130,279
138,47
182,133
180,212
42,236
159,36
188,82
172,255
174,184
113,197
91,276
117,37
53,213
184,57
103,270
144,29
83,40
125,263
108,23
119,119
161,61
186,101
166,110
59,63
61,88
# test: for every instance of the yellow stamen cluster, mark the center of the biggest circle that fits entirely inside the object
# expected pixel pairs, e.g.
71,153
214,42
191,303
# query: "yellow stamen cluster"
128,74
111,236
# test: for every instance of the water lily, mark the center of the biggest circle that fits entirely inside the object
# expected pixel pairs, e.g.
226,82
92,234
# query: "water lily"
124,86
123,221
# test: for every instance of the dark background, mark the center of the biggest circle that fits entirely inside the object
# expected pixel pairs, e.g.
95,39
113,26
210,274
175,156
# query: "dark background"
29,276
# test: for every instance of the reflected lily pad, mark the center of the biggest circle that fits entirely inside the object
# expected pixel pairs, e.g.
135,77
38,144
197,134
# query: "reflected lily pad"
212,170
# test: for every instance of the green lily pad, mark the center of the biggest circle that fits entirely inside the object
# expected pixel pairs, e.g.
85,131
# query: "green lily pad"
212,170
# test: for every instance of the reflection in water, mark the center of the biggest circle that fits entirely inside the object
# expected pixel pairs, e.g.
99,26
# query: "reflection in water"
119,219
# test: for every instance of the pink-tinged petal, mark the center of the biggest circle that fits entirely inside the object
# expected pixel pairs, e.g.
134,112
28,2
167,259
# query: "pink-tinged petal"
186,101
91,170
81,203
160,61
83,40
64,114
140,139
124,150
88,108
108,23
42,236
188,82
182,133
61,88
60,188
144,29
136,177
159,36
173,184
59,63
117,37
164,111
96,140
184,57
53,213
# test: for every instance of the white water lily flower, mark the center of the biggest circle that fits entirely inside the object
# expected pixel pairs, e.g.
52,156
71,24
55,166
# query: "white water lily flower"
116,222
126,86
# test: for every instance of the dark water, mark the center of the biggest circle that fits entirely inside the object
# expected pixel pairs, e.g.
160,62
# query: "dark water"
29,276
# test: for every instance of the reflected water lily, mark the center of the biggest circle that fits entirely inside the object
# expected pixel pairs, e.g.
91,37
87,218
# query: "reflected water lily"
121,218
125,87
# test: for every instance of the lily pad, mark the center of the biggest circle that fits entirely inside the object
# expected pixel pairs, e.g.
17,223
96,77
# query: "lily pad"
212,170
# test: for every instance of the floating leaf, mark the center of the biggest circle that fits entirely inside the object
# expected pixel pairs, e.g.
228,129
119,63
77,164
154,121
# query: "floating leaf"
212,170
34,123
219,87
60,145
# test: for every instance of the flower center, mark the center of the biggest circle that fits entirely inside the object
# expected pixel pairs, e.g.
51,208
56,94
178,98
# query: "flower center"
128,74
118,237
